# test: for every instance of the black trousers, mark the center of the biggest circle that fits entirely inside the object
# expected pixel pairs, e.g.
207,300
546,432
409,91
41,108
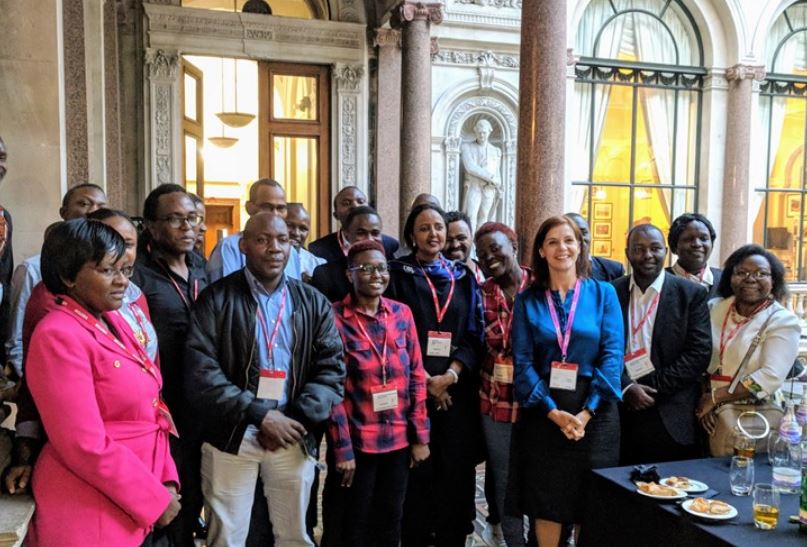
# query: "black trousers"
375,500
646,440
440,500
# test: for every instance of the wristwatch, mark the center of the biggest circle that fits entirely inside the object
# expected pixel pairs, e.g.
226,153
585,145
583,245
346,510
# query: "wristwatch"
587,409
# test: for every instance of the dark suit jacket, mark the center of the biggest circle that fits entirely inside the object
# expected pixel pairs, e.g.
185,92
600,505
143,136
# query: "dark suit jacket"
680,351
327,247
330,279
605,269
717,273
6,270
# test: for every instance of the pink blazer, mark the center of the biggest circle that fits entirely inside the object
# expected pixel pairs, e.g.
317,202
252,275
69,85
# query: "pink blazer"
100,477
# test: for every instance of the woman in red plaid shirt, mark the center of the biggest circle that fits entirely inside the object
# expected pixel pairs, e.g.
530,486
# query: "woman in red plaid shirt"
381,428
496,252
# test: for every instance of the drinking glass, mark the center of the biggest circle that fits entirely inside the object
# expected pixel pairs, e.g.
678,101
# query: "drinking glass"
741,475
744,445
766,506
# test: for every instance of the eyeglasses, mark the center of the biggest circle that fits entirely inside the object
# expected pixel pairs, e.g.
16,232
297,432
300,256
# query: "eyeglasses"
756,276
370,269
175,221
111,273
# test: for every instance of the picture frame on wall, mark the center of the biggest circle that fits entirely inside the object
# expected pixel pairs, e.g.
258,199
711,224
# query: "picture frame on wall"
793,205
601,230
603,211
601,247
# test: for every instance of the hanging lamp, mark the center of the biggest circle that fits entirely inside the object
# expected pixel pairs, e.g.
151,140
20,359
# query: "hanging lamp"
223,141
235,119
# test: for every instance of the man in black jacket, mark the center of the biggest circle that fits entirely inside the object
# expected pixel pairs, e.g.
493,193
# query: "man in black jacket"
263,368
602,269
668,348
334,245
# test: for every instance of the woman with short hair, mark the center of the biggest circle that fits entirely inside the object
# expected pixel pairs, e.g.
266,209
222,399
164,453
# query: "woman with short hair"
105,475
692,239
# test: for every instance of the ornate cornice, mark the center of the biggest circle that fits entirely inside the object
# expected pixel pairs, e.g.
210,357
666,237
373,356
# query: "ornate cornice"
162,63
476,58
409,11
385,37
745,72
348,77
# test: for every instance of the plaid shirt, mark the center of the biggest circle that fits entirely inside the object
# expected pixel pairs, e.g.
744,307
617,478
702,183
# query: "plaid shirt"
353,423
496,399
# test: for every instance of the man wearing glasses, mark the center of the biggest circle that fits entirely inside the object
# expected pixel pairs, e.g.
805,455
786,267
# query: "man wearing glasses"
265,196
172,276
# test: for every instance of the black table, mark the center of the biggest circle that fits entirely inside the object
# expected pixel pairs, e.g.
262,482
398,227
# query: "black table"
617,515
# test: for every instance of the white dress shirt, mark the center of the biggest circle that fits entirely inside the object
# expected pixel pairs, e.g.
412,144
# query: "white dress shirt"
640,305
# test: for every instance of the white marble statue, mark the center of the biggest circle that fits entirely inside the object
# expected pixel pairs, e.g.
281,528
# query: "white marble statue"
483,181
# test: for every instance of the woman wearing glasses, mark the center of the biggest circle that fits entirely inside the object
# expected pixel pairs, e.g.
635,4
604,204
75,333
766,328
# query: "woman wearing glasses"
749,303
446,304
105,475
380,430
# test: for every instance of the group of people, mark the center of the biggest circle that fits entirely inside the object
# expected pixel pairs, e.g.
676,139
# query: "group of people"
155,382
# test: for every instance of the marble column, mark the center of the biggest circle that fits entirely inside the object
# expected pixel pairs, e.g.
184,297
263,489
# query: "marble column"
415,19
734,230
388,128
541,124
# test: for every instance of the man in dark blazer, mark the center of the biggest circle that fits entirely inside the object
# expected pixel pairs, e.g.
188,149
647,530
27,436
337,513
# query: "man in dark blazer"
334,245
668,347
602,269
331,279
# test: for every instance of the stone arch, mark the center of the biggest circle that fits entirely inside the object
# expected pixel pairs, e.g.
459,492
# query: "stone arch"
502,111
769,15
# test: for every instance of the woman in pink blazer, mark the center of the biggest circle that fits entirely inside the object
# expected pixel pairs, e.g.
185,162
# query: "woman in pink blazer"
105,475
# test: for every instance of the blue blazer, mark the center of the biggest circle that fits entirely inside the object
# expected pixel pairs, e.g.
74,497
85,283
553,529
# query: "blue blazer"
597,345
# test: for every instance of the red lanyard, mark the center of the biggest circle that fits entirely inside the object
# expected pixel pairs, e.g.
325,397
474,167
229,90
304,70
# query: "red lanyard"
563,339
725,339
441,312
382,355
270,341
506,328
181,293
141,357
343,243
636,327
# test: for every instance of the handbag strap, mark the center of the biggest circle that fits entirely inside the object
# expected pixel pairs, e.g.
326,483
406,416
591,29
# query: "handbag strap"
754,343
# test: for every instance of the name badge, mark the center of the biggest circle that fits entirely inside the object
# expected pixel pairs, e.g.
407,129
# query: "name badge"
503,371
439,344
638,364
272,384
384,397
563,376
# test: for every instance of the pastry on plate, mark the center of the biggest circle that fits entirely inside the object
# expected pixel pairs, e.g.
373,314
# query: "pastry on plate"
657,489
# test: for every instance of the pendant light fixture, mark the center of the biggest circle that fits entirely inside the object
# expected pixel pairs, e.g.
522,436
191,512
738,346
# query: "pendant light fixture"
223,141
235,119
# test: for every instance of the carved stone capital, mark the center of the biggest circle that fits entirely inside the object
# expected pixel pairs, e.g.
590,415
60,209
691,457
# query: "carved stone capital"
348,77
162,63
745,72
410,10
386,37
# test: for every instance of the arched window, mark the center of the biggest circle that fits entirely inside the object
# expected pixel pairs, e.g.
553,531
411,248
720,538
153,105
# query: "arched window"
780,223
637,112
301,9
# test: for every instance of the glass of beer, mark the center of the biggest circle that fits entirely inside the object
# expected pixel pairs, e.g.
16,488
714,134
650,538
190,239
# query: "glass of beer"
744,445
766,506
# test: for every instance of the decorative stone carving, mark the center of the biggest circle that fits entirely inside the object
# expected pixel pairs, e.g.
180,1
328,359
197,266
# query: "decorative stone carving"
162,64
409,11
476,58
502,116
493,3
483,180
745,72
386,37
348,77
486,76
348,141
350,12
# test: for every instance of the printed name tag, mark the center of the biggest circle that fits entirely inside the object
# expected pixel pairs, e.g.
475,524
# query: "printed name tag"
272,384
638,364
503,371
384,397
563,376
439,344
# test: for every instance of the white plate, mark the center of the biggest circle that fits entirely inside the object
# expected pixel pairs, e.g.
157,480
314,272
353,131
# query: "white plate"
694,486
681,495
730,515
